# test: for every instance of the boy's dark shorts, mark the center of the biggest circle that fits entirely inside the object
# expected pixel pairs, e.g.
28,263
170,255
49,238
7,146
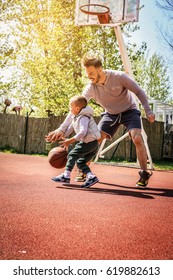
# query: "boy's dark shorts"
110,123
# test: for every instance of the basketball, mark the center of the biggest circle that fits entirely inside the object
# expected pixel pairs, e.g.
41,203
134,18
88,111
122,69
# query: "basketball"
57,157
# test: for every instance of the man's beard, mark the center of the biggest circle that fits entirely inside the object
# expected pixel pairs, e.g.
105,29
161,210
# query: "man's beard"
97,79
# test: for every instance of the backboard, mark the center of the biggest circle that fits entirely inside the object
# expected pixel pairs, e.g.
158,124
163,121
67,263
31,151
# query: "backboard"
121,11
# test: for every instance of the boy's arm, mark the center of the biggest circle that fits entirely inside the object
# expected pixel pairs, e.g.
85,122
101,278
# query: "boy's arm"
83,123
57,134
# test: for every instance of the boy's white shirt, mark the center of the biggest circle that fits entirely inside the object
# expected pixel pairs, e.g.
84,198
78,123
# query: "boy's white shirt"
83,126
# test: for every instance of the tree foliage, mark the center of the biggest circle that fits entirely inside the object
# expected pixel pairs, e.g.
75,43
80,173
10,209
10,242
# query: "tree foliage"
151,73
42,49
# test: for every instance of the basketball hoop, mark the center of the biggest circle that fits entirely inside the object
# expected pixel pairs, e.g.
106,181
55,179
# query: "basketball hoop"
101,11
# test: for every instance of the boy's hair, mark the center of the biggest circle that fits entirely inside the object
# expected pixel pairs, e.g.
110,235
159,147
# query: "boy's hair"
91,60
79,101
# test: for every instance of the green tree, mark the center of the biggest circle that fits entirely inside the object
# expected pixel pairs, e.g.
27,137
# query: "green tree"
151,74
43,48
158,85
48,50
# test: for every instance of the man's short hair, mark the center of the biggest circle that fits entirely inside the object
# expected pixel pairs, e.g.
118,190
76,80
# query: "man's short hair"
90,60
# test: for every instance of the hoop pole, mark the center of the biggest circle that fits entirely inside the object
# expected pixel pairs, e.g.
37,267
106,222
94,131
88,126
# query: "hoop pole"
124,56
100,149
114,143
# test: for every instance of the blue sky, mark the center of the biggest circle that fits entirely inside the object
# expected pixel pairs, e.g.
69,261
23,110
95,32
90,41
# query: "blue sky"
150,17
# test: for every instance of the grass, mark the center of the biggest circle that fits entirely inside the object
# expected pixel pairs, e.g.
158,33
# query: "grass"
13,151
8,151
164,164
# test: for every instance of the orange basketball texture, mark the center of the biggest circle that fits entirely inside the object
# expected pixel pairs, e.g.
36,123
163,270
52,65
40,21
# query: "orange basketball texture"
57,157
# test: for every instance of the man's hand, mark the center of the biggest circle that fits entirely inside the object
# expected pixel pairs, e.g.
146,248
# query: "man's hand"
151,118
53,136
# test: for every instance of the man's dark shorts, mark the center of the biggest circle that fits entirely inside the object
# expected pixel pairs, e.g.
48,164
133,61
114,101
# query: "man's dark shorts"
110,123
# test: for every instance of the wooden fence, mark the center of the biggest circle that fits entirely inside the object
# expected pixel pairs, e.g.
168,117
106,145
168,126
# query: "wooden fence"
27,135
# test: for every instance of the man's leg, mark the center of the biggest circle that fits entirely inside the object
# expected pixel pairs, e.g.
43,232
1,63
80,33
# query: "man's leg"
103,136
139,144
142,157
140,148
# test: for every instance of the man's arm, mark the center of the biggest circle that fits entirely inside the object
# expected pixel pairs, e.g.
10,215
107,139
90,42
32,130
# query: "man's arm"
131,85
87,92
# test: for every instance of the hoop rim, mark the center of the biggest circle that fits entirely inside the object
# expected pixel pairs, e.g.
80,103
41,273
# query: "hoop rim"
94,13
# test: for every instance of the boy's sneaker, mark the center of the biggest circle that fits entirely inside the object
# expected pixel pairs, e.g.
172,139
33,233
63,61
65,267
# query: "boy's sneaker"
61,178
89,182
81,177
144,178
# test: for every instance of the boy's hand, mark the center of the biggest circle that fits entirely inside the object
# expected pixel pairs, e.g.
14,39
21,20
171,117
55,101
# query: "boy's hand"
66,142
53,136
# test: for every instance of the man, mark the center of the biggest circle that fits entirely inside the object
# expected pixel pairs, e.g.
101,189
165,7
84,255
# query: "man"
112,90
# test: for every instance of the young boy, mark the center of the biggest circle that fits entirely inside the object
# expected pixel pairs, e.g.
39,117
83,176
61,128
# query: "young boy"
86,138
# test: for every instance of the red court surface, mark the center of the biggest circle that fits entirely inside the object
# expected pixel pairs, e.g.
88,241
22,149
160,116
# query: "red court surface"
113,220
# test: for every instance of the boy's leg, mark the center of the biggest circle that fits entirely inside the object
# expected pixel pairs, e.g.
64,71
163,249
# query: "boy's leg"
89,150
72,157
91,179
61,178
81,177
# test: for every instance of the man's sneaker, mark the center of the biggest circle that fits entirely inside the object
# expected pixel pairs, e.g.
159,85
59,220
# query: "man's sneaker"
144,177
81,177
61,178
89,182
